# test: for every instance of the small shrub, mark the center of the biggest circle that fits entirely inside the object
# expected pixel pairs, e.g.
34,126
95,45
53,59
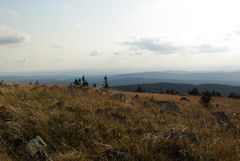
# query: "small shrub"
84,82
206,98
36,83
105,83
194,92
234,95
139,89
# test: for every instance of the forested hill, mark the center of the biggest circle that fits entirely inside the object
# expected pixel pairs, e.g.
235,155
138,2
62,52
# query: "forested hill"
225,90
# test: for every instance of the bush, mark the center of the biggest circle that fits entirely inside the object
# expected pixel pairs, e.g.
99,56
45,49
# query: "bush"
105,83
206,98
194,92
217,94
77,82
84,82
139,89
234,95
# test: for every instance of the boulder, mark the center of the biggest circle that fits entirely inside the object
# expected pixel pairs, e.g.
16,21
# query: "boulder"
181,134
37,149
9,123
168,107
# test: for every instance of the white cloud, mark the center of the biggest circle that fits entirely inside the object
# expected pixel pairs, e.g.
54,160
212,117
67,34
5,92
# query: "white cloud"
162,46
9,36
9,13
116,53
96,53
13,13
207,48
67,7
58,46
137,53
155,45
80,26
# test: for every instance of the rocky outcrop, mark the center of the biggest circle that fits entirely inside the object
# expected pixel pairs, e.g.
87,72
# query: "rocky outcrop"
37,148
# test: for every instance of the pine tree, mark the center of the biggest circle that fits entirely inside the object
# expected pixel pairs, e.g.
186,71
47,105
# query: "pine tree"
105,83
84,81
194,92
76,82
139,89
36,83
206,98
79,82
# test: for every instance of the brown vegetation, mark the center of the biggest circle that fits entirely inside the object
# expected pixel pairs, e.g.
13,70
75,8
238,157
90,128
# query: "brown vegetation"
97,125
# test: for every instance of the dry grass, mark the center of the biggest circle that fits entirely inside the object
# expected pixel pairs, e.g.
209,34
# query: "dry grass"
93,125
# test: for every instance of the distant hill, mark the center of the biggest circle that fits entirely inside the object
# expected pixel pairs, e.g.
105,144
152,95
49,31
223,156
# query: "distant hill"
229,78
225,90
182,77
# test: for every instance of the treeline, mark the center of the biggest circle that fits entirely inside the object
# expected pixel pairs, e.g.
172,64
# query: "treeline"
173,92
234,95
206,95
82,82
195,92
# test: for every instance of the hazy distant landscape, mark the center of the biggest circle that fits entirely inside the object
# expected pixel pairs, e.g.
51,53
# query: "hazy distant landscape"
223,82
119,80
224,78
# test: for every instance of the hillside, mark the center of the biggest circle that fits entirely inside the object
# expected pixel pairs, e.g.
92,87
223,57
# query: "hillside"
178,77
230,78
60,123
225,90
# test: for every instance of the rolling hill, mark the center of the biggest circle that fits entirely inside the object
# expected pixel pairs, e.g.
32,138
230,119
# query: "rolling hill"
183,77
225,90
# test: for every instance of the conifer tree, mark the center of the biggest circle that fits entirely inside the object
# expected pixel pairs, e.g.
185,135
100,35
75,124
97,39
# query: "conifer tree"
105,83
84,81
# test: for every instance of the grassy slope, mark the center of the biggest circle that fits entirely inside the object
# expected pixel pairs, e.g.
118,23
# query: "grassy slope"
92,126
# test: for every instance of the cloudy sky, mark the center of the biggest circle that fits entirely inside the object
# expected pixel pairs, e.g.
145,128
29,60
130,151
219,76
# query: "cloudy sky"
51,35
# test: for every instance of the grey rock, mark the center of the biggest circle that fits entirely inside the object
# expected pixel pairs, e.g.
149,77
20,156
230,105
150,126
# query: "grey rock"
9,123
37,148
166,106
182,134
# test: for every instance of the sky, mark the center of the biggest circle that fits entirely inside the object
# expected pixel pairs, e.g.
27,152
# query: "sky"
123,35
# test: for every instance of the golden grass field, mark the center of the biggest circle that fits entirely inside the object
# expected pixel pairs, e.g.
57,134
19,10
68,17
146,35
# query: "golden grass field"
96,125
